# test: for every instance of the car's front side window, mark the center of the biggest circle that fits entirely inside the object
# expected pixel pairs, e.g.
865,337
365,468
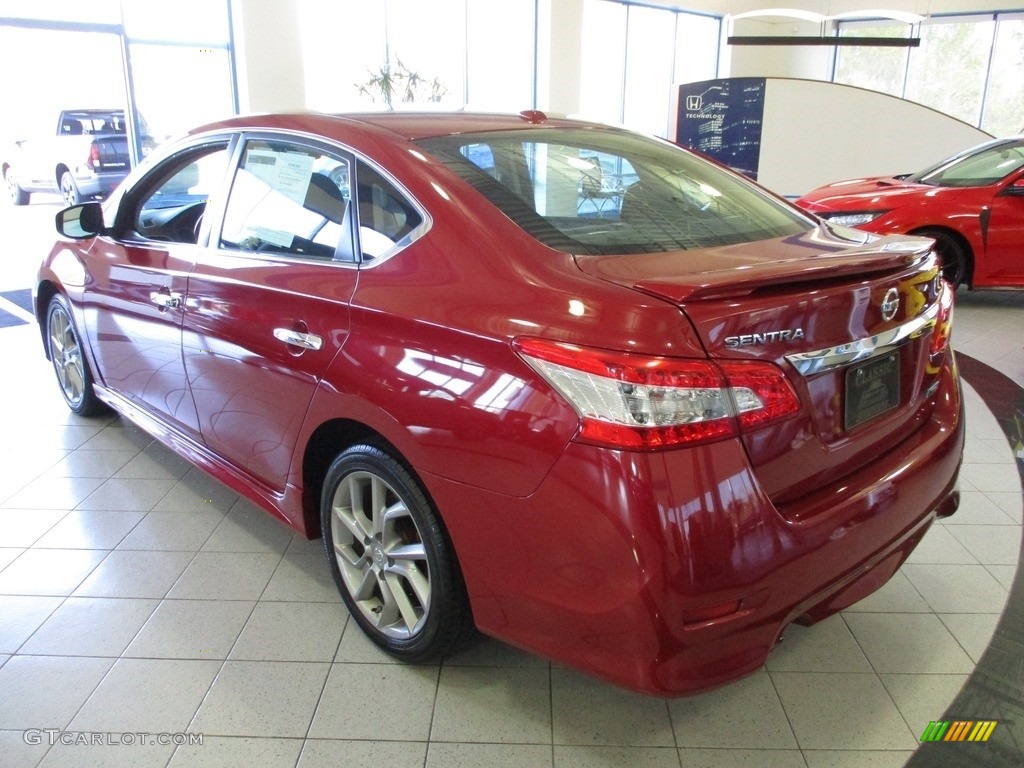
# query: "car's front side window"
289,198
172,208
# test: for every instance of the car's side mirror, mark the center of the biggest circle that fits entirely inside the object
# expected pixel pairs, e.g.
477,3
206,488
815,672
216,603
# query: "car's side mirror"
81,221
1016,189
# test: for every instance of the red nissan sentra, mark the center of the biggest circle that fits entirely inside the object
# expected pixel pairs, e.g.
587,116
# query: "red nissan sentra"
566,384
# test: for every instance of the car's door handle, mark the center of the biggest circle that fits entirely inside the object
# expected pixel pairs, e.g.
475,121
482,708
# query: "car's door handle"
166,300
298,339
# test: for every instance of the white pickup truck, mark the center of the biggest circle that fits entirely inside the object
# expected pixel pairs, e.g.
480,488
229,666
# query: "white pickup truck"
86,158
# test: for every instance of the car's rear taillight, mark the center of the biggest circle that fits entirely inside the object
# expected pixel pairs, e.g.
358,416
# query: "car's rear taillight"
762,392
94,161
627,400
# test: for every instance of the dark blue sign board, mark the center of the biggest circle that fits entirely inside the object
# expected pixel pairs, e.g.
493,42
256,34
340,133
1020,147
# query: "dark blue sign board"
722,119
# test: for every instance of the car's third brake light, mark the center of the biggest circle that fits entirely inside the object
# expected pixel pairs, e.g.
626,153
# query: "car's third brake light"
627,400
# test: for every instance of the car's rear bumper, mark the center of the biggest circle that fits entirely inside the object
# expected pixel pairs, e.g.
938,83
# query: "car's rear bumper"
671,572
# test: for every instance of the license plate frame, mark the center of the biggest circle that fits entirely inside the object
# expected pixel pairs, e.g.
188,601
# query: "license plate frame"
871,389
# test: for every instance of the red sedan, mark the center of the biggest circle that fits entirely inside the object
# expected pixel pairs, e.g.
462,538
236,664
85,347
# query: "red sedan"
971,204
639,433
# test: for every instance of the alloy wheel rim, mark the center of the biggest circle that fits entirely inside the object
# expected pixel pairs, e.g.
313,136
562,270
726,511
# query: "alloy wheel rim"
67,357
380,554
68,192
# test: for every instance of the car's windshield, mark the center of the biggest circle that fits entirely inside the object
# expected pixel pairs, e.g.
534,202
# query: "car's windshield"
974,168
610,192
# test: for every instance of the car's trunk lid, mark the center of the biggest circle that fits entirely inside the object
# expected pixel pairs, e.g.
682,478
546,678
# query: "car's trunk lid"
849,326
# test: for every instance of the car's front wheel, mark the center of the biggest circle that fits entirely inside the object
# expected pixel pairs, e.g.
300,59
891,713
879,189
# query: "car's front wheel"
391,557
69,363
954,254
17,195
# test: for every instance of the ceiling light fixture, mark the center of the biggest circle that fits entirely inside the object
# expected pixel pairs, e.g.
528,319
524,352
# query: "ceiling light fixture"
821,19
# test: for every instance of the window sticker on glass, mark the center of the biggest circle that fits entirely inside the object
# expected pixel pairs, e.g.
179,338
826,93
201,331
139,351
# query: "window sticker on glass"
286,172
272,236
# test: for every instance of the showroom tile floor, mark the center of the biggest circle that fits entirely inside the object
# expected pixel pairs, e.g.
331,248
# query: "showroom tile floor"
139,597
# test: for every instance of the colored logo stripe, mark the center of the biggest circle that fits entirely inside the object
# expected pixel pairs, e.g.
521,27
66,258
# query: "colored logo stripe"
982,730
959,730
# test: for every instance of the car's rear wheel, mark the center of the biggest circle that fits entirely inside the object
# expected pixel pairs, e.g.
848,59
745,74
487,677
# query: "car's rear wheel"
17,195
69,189
391,557
954,254
69,363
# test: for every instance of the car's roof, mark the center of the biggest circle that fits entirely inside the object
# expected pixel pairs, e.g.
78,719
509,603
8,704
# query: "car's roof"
92,111
1006,141
408,125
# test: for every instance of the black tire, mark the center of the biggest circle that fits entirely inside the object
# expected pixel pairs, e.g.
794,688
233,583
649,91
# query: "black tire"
17,195
955,255
391,557
69,189
69,363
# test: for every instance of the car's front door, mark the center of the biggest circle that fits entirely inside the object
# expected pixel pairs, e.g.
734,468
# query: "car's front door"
1005,254
267,306
134,299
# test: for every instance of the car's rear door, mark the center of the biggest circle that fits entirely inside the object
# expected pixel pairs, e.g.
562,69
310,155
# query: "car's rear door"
268,301
134,299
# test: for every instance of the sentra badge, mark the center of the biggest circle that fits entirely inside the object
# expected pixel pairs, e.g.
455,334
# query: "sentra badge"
768,337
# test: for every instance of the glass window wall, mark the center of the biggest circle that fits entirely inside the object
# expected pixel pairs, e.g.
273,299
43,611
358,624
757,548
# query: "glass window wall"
603,61
698,40
170,71
948,71
500,54
968,66
634,54
878,69
1004,98
407,54
33,100
650,64
93,12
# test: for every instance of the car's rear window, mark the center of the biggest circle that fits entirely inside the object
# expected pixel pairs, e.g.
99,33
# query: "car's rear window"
609,192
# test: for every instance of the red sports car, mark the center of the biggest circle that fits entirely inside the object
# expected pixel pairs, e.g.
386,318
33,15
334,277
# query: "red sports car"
639,432
971,204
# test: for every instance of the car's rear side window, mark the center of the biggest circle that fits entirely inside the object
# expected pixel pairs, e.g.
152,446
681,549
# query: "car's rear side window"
607,192
387,219
289,199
